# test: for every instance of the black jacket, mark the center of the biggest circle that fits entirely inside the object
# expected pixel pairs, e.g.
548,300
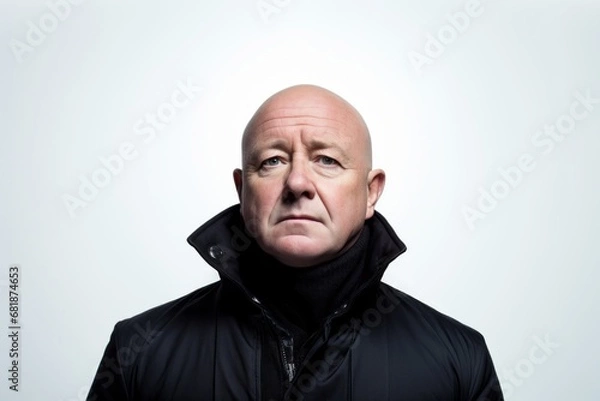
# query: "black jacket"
220,343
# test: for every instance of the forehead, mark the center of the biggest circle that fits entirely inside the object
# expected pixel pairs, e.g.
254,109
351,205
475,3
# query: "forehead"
313,124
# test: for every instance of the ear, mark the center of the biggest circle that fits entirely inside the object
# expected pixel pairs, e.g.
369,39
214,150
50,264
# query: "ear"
237,179
375,184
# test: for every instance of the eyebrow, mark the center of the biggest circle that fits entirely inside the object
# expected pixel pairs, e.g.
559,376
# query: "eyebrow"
316,144
283,145
279,144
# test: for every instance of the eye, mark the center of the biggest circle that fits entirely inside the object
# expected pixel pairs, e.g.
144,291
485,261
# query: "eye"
271,162
327,161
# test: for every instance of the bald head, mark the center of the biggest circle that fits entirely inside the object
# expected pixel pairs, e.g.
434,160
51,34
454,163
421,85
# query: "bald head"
309,102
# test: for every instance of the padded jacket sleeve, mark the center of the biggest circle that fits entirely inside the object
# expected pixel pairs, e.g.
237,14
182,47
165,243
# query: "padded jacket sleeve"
485,386
109,383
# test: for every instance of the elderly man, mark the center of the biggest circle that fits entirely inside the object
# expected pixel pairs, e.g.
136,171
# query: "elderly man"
300,312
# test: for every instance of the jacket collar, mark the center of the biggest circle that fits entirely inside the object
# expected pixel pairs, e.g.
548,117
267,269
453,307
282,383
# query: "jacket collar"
223,239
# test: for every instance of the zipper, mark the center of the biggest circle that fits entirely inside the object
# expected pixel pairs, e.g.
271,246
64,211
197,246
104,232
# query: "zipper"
287,354
286,342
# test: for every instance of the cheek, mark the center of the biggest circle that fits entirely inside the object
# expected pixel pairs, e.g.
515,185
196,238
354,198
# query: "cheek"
257,203
344,194
346,203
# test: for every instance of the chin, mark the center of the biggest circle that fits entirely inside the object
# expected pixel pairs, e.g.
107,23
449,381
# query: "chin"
299,251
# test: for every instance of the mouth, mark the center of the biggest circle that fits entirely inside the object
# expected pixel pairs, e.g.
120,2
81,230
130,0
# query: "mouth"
299,217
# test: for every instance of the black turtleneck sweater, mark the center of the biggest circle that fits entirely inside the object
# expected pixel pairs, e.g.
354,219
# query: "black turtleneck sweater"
302,298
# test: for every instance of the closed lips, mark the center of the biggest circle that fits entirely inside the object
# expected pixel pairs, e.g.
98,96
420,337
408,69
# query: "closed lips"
299,217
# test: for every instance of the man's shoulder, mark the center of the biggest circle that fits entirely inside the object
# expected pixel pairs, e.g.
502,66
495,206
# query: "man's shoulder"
428,341
426,320
154,320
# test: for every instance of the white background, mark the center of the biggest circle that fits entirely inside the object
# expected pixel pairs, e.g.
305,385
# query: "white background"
528,270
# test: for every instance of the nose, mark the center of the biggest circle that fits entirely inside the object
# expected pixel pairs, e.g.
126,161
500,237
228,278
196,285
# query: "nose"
298,182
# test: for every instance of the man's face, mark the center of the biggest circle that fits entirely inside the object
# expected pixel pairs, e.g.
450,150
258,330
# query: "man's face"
306,186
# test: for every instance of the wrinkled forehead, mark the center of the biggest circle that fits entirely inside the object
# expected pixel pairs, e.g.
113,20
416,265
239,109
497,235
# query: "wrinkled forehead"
320,119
